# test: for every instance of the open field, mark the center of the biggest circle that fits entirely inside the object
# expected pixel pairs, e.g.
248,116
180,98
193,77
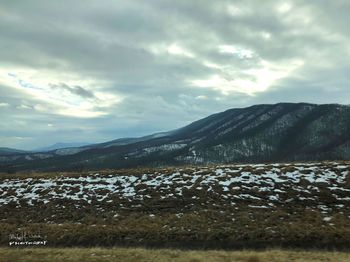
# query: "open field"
221,207
163,255
130,255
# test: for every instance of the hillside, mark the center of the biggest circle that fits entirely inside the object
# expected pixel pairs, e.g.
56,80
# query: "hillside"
4,151
59,146
261,133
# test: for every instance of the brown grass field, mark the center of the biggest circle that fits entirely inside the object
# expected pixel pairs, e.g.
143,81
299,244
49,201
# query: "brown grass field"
232,207
163,255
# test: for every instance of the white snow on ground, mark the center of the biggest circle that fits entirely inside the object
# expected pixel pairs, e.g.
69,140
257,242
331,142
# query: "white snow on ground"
265,185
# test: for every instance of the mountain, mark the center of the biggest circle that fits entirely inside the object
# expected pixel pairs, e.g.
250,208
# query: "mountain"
261,133
4,151
59,146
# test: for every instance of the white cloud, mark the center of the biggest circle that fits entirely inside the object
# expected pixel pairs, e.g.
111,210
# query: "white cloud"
4,104
285,7
201,97
38,85
266,35
240,52
236,11
175,49
249,81
23,106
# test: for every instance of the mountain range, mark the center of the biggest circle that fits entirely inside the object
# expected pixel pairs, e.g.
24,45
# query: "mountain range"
260,133
59,146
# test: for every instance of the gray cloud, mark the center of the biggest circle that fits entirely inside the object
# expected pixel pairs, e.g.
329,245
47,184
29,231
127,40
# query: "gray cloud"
77,90
94,72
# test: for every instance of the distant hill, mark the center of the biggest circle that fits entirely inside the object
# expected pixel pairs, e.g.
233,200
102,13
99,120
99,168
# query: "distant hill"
10,151
260,133
59,146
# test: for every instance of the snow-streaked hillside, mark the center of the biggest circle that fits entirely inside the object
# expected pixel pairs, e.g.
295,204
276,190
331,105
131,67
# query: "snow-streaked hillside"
261,133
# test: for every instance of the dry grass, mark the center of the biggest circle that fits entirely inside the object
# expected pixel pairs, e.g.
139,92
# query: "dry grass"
154,255
196,218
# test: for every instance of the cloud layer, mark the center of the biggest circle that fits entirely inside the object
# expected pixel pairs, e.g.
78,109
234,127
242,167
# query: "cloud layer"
73,72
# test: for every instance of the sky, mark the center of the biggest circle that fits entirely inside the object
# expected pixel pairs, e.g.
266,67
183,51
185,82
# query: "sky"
93,71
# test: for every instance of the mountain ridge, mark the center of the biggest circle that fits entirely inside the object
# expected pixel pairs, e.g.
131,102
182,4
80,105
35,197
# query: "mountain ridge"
59,145
259,133
10,151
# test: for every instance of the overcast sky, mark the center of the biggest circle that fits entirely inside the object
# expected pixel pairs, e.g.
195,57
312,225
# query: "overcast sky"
92,71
